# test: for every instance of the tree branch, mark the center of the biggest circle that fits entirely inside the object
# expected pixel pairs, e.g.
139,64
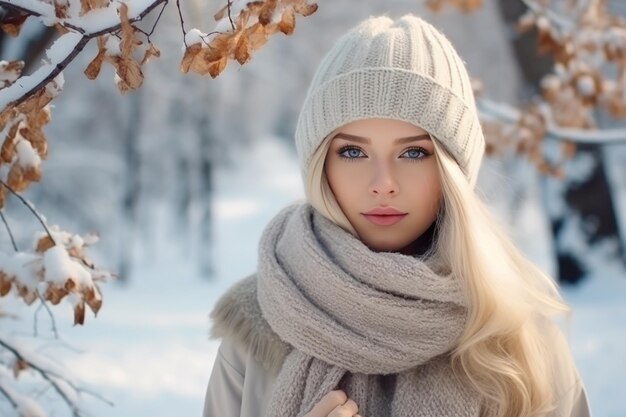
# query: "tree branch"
16,93
6,224
48,376
503,112
30,207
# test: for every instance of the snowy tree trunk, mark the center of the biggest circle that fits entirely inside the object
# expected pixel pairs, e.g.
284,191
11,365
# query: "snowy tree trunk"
207,150
132,183
580,207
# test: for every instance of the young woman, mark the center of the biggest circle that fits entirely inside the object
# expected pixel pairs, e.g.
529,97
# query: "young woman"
391,291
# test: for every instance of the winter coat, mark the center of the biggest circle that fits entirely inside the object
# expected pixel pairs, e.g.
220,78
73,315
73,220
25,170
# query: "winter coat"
249,358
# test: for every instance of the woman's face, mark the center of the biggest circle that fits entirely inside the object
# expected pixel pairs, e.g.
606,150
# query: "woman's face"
384,164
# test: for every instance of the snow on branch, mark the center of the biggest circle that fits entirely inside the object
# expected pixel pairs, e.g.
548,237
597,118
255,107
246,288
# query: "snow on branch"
494,111
588,44
26,359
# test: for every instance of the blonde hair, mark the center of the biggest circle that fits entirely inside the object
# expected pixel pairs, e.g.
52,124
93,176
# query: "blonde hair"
511,351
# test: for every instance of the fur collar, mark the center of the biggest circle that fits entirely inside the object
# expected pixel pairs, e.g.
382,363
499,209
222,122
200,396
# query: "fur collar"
237,316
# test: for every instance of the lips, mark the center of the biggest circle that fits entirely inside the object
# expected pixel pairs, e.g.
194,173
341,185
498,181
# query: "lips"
384,216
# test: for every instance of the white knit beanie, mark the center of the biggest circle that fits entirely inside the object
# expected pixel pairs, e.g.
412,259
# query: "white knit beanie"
405,70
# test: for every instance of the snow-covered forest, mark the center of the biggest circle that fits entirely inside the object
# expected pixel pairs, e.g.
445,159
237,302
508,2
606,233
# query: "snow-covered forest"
179,177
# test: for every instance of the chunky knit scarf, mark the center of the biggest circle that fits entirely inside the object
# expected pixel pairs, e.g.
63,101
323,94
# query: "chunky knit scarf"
378,325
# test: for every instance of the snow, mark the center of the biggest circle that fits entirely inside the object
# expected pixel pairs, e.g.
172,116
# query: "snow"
58,265
26,155
148,351
59,50
194,36
586,85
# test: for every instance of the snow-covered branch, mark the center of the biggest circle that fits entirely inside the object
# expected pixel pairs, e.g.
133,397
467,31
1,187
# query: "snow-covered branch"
26,359
494,111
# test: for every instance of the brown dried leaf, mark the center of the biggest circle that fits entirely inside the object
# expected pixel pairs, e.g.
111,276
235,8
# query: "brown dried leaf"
79,313
5,282
13,25
242,50
55,294
221,13
568,149
302,8
128,32
93,69
18,366
257,37
8,146
130,74
3,196
266,12
87,5
16,178
70,285
61,10
28,296
151,51
32,173
287,22
216,67
93,299
192,55
44,244
14,67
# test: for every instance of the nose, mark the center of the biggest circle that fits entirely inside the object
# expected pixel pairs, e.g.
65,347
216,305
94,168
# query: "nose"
383,181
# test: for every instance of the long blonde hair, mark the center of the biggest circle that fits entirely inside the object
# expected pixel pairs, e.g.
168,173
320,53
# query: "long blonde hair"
512,352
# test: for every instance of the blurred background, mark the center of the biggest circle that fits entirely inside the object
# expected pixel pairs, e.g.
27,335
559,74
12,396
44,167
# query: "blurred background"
180,177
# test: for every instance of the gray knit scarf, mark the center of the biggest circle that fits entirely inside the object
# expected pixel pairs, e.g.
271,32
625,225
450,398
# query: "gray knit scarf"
378,325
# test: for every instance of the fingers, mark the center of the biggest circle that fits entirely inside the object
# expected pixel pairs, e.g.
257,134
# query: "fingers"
349,409
334,404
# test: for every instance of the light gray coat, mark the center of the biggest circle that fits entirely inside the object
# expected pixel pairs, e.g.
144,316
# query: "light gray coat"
249,358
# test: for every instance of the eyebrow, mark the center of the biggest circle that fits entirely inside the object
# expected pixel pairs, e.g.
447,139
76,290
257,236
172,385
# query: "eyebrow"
398,141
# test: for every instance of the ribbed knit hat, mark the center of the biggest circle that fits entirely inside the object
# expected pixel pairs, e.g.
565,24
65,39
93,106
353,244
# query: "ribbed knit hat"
405,70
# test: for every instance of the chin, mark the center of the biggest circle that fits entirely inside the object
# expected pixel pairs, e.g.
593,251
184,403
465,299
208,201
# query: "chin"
378,246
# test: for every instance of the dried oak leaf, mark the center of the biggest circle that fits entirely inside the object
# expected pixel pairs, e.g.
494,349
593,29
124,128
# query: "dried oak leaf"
287,22
87,5
31,173
5,282
242,50
304,9
266,12
93,69
151,51
45,243
12,25
257,36
16,178
12,70
93,299
216,67
61,10
70,284
79,313
18,366
129,71
27,295
192,60
8,146
55,294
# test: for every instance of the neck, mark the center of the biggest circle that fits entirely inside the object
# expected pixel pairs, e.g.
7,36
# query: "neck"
420,245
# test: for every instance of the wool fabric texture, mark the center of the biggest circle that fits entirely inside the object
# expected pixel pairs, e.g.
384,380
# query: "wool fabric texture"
404,70
378,325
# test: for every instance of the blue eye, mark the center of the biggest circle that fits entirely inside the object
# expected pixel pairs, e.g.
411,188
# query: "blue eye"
352,152
414,153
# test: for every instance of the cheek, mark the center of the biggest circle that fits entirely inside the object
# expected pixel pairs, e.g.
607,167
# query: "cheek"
344,182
